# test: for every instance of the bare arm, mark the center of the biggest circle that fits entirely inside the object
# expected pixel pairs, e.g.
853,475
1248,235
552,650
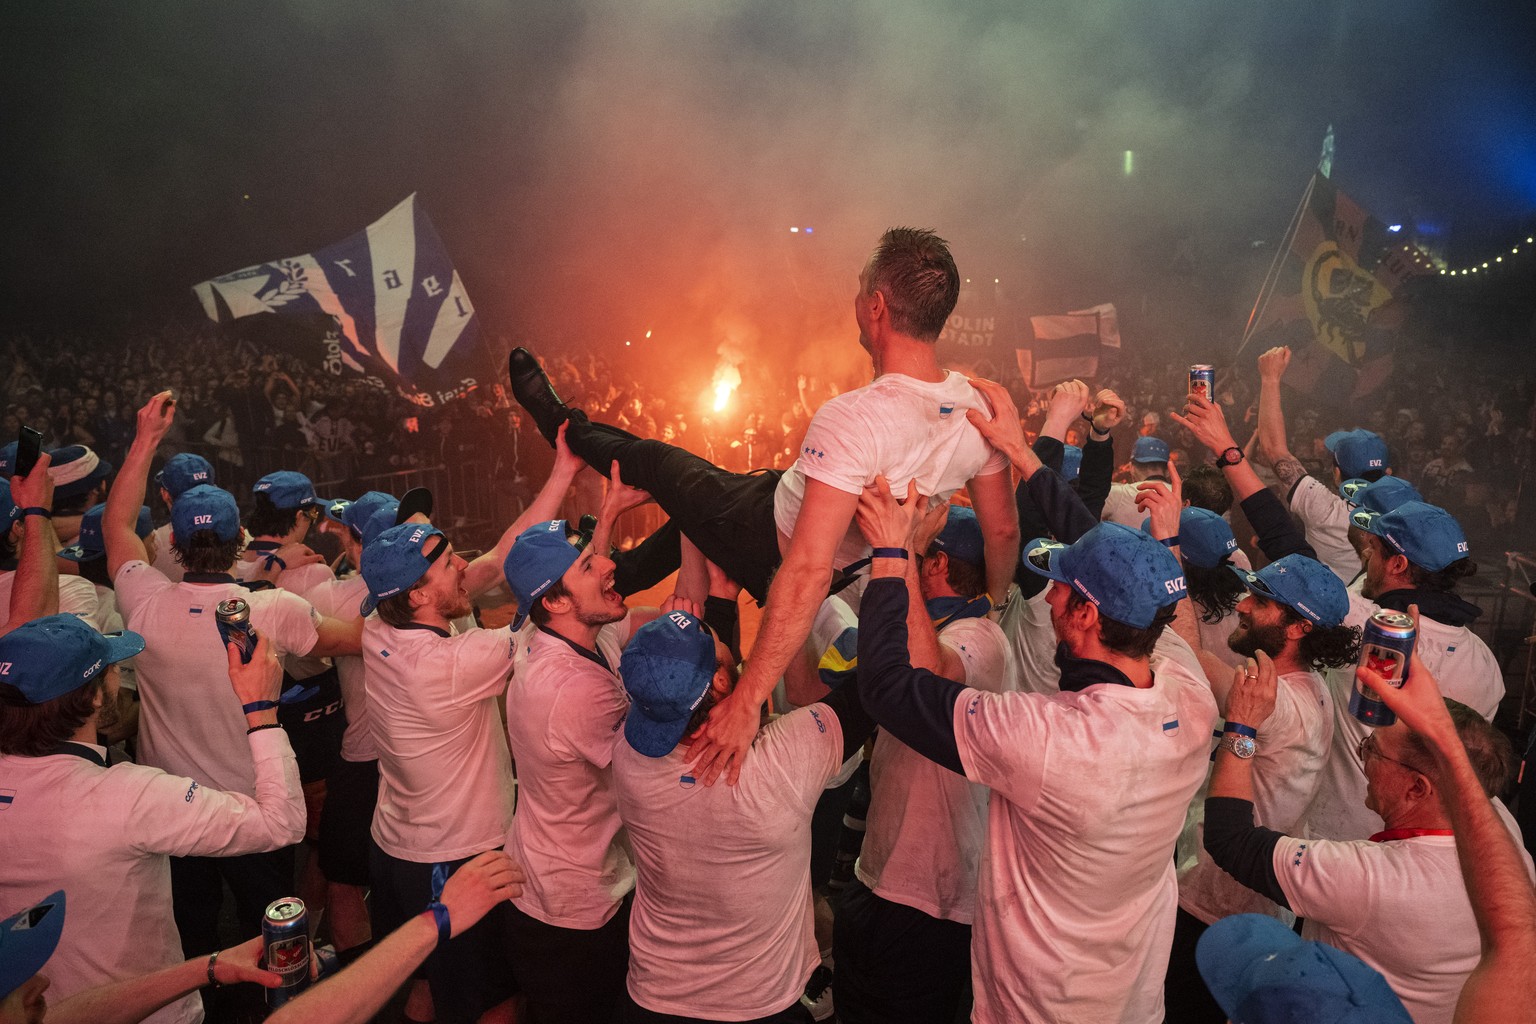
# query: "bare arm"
998,516
132,1000
337,636
797,590
127,496
693,574
35,590
1273,446
1209,425
485,572
924,648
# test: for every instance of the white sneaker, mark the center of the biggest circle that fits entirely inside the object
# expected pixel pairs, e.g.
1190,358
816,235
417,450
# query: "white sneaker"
818,994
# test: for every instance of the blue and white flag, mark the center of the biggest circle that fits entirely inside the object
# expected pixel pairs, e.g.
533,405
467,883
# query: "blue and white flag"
400,310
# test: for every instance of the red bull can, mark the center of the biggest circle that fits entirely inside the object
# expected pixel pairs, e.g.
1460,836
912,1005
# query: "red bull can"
1385,648
285,934
1202,381
234,619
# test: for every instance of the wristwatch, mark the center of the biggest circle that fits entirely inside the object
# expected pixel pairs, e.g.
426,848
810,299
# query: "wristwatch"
1230,457
1239,739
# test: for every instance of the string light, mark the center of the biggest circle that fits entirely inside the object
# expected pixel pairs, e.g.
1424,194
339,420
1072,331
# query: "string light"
1514,250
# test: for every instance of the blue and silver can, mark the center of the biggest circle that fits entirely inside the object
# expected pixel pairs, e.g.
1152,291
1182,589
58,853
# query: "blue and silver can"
1202,381
234,619
285,935
1386,648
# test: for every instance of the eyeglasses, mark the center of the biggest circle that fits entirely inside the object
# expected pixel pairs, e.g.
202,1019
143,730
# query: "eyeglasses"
1367,749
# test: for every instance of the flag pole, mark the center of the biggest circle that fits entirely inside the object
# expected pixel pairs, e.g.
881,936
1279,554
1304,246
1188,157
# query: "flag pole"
1266,290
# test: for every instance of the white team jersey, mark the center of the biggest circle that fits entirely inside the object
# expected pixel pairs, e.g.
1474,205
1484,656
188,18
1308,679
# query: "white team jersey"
77,596
165,558
445,776
565,713
1326,518
1077,892
1401,906
1120,506
104,835
910,431
342,599
190,722
722,926
1467,671
1292,744
926,825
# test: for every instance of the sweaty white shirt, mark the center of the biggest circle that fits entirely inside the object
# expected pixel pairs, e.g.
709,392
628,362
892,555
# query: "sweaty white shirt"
77,596
722,926
911,431
104,835
1401,906
926,825
1467,671
342,599
1076,899
165,558
445,776
565,713
190,722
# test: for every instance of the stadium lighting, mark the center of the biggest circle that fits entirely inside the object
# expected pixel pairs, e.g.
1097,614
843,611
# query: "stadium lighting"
794,231
1394,228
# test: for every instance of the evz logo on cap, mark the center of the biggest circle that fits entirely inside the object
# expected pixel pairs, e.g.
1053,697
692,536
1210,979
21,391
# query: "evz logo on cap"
1175,586
5,668
417,535
199,475
1461,547
683,621
202,520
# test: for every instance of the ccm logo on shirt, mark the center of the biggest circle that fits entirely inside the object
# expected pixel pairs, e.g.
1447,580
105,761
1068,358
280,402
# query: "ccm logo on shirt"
820,725
190,791
1174,586
202,520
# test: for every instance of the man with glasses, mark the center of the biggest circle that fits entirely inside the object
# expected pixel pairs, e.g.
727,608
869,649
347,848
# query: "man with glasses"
1395,900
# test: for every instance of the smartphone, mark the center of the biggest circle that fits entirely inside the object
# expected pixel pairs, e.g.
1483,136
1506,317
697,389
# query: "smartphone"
29,445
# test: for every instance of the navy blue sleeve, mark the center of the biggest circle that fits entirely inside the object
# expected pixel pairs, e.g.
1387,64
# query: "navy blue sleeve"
1242,849
1050,451
1066,517
1095,474
856,722
1032,521
912,704
1271,520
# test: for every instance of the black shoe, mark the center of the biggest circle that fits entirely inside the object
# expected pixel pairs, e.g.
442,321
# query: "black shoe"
531,388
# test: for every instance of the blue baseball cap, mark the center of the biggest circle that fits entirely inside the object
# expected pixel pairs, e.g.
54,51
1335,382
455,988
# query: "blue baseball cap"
1357,452
287,489
206,507
1149,449
9,512
27,939
90,545
75,469
376,524
393,561
540,556
1071,462
666,668
356,513
183,472
1129,576
1261,972
8,460
58,654
961,536
1381,495
1205,539
1301,583
1428,535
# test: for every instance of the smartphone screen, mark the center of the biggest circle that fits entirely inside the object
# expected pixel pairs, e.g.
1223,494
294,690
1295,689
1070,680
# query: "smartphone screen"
29,445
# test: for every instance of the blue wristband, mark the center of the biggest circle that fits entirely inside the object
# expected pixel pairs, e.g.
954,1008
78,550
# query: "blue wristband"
444,927
34,510
258,705
1170,542
1242,730
889,553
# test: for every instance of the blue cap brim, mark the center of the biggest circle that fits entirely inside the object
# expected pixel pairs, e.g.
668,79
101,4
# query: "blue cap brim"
1228,947
1042,556
76,553
650,737
122,646
25,946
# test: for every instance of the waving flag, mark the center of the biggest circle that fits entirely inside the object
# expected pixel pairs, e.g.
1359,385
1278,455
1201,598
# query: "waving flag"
1067,346
400,310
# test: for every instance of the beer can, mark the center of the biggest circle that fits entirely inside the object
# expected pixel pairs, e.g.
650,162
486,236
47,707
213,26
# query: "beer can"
1202,381
1385,648
234,619
285,935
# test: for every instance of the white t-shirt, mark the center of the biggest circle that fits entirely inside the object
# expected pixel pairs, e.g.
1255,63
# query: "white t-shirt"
565,712
165,558
77,596
445,777
1292,745
1467,671
722,926
104,835
190,722
342,599
906,429
1401,906
301,579
926,825
1076,899
1326,518
1120,506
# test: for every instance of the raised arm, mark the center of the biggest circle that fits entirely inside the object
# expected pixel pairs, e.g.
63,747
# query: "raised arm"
35,589
1273,447
1098,466
485,571
127,496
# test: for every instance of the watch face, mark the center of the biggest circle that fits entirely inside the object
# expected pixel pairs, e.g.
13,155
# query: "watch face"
1242,746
